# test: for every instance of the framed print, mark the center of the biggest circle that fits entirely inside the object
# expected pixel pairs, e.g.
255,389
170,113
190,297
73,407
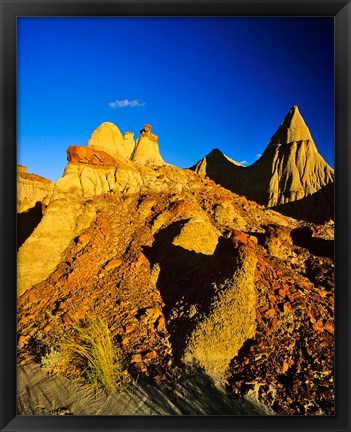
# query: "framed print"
175,215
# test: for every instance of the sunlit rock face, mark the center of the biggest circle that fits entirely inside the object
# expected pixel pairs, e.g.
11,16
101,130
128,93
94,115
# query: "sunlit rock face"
289,170
129,143
31,189
89,156
108,138
146,148
291,167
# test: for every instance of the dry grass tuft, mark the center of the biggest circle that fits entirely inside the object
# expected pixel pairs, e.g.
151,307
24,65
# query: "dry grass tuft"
231,321
88,351
93,344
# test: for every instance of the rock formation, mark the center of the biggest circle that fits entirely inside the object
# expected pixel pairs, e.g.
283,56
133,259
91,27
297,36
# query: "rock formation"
220,168
33,195
108,138
129,143
103,166
185,272
31,189
289,170
90,156
146,148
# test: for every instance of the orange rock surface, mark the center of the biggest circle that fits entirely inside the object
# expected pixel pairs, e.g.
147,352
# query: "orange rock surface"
86,155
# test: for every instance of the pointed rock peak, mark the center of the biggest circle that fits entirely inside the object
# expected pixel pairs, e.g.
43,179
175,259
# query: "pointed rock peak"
294,117
293,128
216,155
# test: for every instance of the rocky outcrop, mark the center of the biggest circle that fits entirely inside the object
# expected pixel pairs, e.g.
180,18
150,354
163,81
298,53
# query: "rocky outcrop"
290,359
147,150
87,180
289,169
277,241
107,163
89,173
129,143
231,318
43,250
108,138
185,272
91,156
220,168
31,189
198,235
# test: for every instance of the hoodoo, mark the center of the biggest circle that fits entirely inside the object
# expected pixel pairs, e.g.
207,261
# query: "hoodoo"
146,148
108,138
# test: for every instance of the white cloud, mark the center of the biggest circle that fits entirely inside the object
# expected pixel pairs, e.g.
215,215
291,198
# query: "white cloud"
258,155
244,162
125,103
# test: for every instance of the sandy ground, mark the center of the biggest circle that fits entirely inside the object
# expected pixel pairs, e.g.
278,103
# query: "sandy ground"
195,394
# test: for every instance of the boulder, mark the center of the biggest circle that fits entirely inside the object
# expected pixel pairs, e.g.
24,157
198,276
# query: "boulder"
198,235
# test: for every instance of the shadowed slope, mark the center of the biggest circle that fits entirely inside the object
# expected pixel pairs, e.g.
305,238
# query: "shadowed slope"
317,208
223,170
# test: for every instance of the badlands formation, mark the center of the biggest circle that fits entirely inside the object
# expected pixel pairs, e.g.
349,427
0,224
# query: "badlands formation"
289,170
184,272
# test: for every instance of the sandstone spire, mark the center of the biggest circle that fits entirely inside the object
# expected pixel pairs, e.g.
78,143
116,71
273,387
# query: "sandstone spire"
146,148
289,169
293,128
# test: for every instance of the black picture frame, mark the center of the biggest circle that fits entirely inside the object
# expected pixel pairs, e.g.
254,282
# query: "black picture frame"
9,11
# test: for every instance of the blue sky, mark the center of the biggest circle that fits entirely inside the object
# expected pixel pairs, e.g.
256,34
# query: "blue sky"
201,82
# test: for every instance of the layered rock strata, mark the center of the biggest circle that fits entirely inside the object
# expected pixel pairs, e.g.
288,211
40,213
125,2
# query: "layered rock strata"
31,189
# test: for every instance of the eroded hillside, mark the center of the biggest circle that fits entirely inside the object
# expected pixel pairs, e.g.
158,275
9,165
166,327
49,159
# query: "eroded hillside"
183,272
